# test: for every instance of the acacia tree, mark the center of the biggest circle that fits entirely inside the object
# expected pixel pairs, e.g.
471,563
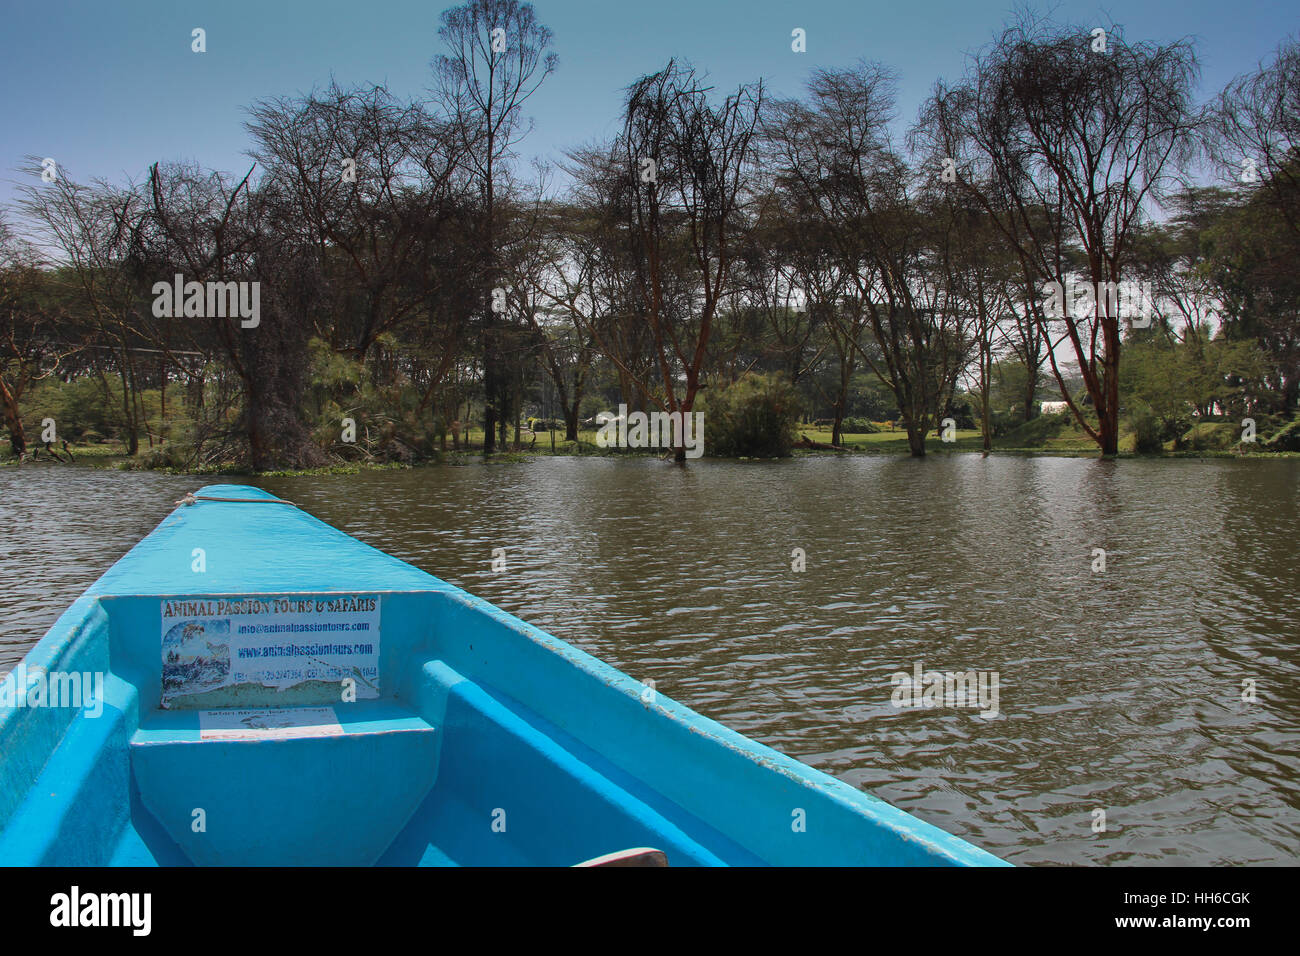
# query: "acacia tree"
96,228
838,315
1249,258
1256,138
371,180
774,286
592,274
1088,128
497,58
1024,335
687,165
559,289
981,270
1171,256
835,162
32,345
213,229
1255,131
376,187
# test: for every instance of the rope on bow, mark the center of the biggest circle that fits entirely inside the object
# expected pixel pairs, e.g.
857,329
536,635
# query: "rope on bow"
190,498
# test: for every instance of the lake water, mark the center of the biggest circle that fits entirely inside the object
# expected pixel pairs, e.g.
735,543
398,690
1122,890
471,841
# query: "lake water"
1119,690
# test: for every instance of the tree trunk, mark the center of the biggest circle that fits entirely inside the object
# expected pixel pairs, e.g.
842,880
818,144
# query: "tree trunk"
128,415
569,408
13,421
1108,431
489,396
988,425
162,400
571,422
274,384
494,388
1108,408
1109,438
276,438
915,439
986,384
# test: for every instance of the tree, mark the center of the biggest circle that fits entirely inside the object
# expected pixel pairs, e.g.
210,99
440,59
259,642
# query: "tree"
97,229
1086,128
377,189
559,286
982,273
1256,139
30,332
372,179
835,309
835,161
210,228
1255,132
1249,261
771,285
497,58
593,273
687,165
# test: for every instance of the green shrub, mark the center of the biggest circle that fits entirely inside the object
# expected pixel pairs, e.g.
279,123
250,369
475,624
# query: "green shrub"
1033,433
962,413
1148,431
752,418
170,455
858,426
1210,436
1287,439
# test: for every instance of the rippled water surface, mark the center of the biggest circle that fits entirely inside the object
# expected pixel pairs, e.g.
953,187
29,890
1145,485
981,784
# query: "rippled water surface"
1119,690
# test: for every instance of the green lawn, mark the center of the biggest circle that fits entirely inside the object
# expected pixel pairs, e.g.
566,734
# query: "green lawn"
895,442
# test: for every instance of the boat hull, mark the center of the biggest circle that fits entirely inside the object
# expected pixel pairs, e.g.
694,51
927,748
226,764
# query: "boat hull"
466,737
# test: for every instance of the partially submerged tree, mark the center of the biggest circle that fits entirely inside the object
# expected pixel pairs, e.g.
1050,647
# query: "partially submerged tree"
211,229
375,187
1064,135
687,164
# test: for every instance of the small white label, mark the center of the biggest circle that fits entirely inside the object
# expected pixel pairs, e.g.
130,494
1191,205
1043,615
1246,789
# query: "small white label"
269,724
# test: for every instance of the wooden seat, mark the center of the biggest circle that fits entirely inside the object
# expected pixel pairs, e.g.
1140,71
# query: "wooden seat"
638,856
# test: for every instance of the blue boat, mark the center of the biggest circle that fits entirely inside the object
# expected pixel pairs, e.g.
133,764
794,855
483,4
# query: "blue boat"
250,686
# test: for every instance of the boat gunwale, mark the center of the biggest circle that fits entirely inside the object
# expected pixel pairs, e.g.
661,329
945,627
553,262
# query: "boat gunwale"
932,840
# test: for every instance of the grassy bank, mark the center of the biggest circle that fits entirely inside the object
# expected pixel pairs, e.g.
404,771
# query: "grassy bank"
1039,437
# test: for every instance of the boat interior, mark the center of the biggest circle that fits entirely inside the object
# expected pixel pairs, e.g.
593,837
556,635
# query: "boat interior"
483,741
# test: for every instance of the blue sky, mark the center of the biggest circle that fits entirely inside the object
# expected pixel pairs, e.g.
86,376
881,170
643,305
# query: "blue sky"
106,88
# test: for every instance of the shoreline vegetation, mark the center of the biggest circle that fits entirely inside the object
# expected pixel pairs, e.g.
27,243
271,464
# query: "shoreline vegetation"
1049,436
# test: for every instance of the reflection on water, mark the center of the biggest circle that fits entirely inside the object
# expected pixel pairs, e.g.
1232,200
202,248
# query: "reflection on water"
1118,690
